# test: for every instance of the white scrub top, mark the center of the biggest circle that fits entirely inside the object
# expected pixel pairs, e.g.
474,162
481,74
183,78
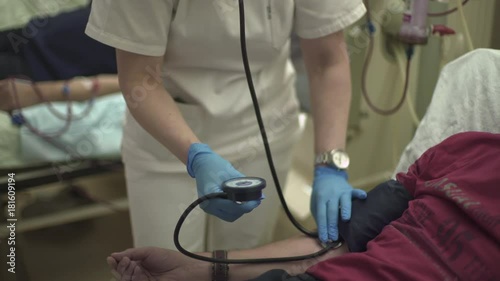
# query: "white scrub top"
203,67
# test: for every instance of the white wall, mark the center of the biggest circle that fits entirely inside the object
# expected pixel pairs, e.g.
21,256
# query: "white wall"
479,15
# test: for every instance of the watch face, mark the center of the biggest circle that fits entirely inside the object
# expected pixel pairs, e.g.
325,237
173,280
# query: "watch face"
340,159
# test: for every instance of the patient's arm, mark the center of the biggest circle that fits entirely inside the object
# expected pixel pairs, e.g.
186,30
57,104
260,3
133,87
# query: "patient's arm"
385,203
53,91
147,264
296,246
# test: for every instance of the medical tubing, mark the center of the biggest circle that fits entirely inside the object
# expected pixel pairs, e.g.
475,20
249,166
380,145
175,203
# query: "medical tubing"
43,135
468,37
409,102
445,13
261,124
369,54
223,195
34,130
83,114
48,139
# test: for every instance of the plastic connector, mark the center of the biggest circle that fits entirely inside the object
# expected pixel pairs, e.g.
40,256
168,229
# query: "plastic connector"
442,30
410,51
66,90
17,119
371,27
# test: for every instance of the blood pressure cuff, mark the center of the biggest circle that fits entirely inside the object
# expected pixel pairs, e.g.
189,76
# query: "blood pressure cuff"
281,275
384,204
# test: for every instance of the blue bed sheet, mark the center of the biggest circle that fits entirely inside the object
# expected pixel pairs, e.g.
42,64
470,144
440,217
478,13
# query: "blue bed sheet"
96,136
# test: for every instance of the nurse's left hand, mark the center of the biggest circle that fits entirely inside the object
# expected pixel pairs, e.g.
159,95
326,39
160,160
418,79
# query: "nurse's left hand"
210,170
332,192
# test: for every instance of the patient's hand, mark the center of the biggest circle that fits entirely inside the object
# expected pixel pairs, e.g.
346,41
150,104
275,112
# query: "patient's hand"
156,264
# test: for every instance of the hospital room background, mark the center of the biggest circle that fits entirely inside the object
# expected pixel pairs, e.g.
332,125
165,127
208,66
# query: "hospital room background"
72,213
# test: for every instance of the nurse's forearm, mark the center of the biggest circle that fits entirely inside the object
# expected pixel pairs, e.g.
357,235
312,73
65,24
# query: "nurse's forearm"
331,99
158,114
154,109
327,62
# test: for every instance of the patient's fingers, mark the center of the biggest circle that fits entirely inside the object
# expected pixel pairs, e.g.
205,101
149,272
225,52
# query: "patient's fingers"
123,265
111,262
127,275
112,265
133,254
116,274
139,275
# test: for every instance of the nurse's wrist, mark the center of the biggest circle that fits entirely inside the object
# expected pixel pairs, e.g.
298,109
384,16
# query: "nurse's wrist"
323,169
195,149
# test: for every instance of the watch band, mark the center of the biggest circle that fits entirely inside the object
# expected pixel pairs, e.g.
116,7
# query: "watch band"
321,159
220,271
336,158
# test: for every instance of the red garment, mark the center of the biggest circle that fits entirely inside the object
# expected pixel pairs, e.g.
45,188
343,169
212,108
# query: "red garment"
450,231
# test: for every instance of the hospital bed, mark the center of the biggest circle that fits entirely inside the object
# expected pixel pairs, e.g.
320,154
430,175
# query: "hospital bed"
38,163
95,139
472,80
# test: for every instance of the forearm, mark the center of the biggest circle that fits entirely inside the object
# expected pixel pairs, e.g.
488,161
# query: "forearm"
151,105
15,94
79,88
331,99
296,246
327,63
108,84
158,114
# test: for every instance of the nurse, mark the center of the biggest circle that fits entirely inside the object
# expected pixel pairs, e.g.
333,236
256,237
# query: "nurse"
190,123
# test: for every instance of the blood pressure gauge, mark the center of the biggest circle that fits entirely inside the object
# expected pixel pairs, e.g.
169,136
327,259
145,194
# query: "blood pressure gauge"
244,189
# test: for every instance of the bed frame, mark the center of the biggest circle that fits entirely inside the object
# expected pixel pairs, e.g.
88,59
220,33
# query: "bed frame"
26,178
33,177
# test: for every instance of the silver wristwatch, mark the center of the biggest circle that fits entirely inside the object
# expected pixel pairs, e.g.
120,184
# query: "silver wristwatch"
337,158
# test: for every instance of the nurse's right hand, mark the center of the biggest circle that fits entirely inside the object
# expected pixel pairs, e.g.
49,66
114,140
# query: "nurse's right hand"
210,170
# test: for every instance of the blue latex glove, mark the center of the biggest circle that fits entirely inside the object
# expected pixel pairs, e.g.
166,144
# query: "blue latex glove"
331,191
210,170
